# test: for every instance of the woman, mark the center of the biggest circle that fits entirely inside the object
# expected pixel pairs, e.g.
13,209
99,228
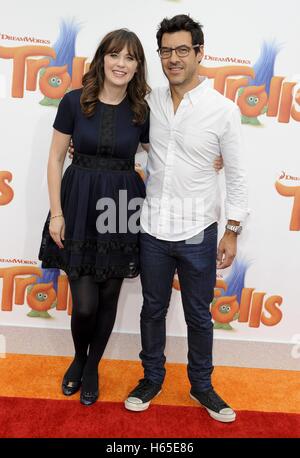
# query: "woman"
107,119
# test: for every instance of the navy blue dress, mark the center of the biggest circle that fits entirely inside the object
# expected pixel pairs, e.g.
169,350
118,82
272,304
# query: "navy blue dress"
103,165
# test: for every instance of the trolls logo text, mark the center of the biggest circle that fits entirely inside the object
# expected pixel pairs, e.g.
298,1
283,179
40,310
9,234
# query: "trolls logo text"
234,302
290,191
276,98
31,284
250,309
6,192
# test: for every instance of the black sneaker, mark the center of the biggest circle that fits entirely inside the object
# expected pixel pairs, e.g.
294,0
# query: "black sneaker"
140,397
215,406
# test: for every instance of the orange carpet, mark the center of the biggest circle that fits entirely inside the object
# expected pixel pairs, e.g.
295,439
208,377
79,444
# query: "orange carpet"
267,402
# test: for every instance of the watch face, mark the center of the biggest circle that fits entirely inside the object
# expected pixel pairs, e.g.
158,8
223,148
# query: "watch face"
236,229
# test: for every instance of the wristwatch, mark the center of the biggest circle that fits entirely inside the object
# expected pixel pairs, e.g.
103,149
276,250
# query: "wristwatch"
232,228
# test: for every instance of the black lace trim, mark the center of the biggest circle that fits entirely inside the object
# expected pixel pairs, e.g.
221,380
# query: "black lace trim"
106,131
98,246
102,163
77,246
130,270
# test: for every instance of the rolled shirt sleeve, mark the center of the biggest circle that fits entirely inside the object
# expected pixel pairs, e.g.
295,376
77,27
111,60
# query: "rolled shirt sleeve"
232,150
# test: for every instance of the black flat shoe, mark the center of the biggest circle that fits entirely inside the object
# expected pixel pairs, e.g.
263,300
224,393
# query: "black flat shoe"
88,398
68,387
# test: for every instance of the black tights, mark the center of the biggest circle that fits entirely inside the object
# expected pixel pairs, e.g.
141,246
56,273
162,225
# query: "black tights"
93,317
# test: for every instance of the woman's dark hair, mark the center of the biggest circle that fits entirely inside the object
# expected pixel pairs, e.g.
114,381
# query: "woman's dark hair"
93,80
179,23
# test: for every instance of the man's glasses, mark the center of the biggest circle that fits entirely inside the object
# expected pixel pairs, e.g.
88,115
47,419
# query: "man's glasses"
181,51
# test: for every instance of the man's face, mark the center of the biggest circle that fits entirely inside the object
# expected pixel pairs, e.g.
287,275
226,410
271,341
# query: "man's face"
180,70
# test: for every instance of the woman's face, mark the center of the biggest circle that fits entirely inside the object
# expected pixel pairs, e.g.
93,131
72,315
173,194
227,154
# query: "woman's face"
119,67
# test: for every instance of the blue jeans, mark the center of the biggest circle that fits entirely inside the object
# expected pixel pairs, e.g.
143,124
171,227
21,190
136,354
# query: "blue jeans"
196,268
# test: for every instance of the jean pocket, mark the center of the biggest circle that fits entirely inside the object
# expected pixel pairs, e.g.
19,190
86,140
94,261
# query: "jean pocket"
211,233
212,229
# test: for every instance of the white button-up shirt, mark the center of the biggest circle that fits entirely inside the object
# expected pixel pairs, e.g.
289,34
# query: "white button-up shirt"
182,186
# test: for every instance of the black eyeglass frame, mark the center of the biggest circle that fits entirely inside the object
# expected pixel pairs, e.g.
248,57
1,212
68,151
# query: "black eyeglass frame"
189,48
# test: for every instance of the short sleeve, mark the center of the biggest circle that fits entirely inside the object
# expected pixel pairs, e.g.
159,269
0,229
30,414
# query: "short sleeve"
144,137
64,120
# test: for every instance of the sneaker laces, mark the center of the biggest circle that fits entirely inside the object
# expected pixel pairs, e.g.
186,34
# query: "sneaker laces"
143,387
216,399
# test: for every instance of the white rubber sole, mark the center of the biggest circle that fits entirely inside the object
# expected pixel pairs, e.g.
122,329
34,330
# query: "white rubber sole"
135,407
224,418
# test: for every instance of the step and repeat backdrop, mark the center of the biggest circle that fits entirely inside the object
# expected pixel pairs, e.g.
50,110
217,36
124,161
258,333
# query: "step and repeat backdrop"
252,57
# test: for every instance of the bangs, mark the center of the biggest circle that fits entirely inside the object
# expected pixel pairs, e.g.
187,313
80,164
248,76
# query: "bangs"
122,40
94,79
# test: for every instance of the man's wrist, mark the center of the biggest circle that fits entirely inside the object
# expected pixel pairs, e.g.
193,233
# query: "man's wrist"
231,233
233,227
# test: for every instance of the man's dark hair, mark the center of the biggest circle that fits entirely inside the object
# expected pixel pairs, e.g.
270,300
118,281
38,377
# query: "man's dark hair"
178,23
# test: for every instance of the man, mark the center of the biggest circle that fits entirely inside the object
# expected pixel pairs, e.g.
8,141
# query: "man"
190,125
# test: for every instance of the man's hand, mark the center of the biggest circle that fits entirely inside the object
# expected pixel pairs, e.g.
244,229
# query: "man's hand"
71,149
139,169
218,164
226,250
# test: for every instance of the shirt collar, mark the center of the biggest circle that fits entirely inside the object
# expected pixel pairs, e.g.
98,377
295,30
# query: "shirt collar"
195,94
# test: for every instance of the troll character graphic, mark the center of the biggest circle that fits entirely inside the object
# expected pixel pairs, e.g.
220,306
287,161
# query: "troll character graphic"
42,295
253,99
227,296
224,310
225,305
59,71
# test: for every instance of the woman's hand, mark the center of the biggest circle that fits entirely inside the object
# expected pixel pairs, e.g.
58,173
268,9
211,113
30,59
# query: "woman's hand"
57,230
218,164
